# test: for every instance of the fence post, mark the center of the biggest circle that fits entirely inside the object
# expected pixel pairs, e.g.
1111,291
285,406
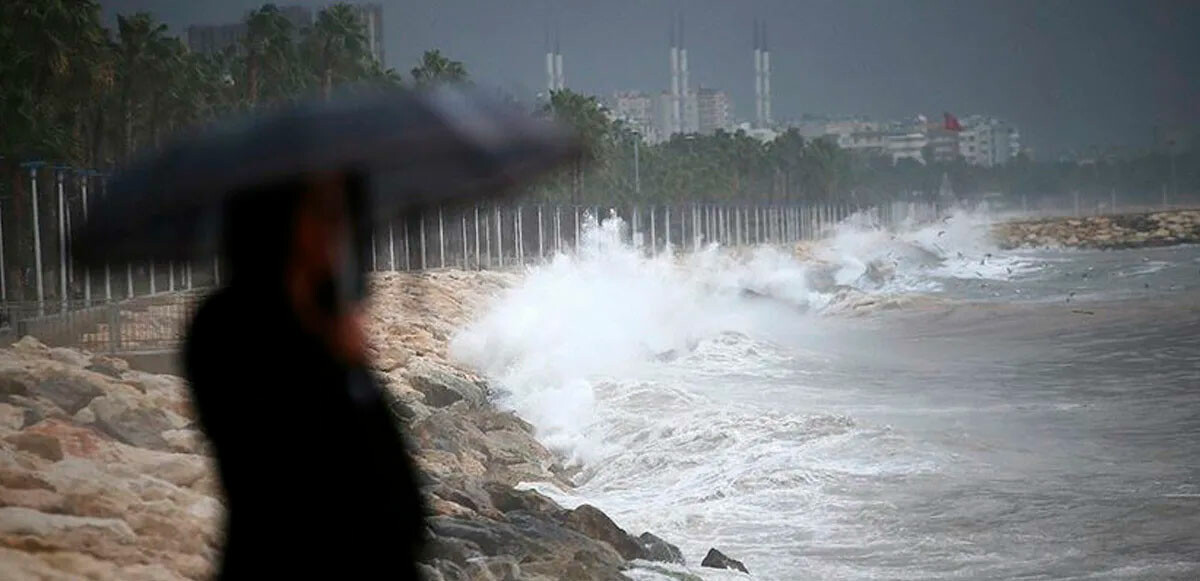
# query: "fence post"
577,229
519,237
407,247
37,243
391,246
87,272
421,233
557,231
634,235
667,229
187,273
541,240
478,260
153,288
64,227
653,234
466,263
499,239
216,277
441,239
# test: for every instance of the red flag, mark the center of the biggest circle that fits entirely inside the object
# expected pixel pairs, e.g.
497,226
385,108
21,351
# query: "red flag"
952,123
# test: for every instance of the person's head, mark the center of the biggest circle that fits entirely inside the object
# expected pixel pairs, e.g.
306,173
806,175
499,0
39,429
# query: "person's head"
300,242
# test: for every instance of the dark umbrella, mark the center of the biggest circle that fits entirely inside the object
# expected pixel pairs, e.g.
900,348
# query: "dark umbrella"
419,148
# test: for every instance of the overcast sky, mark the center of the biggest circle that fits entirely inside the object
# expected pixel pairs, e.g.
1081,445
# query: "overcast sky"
1069,74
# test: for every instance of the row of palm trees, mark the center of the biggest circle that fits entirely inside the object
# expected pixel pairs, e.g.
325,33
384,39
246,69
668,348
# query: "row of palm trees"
721,167
734,167
78,93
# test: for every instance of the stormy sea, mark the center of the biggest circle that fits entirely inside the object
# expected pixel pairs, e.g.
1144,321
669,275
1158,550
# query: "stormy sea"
888,403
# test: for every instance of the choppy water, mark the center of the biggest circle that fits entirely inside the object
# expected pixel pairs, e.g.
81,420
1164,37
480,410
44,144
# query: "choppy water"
913,405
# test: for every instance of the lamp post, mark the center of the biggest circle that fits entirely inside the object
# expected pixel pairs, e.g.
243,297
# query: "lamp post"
637,170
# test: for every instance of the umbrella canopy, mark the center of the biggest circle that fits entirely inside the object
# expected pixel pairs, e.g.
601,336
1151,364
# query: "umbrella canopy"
419,148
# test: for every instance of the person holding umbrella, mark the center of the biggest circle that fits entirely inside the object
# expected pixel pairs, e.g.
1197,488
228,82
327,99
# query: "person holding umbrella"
316,475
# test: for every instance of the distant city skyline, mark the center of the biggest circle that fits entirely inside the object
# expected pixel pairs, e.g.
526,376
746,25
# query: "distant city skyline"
1072,75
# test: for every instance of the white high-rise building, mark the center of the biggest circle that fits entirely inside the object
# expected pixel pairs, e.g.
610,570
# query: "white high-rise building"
713,111
987,141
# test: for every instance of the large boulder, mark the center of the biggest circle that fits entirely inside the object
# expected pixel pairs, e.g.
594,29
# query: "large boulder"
134,421
441,385
717,560
70,391
656,549
593,523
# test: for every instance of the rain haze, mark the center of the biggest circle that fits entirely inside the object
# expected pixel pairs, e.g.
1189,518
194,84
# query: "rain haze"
1072,75
567,289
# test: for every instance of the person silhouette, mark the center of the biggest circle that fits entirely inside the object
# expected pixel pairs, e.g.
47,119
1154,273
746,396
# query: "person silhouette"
316,474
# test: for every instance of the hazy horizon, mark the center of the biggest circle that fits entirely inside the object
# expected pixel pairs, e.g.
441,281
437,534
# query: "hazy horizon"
1069,75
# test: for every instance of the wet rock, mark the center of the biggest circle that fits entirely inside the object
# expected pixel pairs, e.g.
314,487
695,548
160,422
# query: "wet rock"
656,549
593,523
717,560
441,386
507,499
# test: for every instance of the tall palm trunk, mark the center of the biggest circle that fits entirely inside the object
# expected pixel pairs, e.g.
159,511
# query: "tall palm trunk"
253,74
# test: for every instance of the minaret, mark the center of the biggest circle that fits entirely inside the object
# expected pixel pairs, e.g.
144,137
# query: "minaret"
758,78
675,113
559,80
683,78
551,84
766,75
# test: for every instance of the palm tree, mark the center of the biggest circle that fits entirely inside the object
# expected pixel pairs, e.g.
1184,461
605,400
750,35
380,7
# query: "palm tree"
435,68
48,48
590,122
140,40
270,56
336,46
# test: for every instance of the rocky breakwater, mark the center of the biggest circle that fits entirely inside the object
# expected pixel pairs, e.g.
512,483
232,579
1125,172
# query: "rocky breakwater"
103,473
1105,232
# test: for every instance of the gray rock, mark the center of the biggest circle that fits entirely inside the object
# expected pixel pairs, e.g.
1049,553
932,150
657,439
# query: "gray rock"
441,386
71,392
717,560
593,523
492,538
507,499
131,423
656,549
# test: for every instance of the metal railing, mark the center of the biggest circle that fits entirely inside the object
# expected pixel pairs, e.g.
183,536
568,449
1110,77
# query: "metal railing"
144,306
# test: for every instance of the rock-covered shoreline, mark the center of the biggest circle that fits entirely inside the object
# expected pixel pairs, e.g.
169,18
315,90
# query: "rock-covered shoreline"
104,474
1104,232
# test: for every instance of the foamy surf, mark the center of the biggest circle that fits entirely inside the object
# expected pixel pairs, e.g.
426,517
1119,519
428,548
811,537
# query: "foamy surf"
625,365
